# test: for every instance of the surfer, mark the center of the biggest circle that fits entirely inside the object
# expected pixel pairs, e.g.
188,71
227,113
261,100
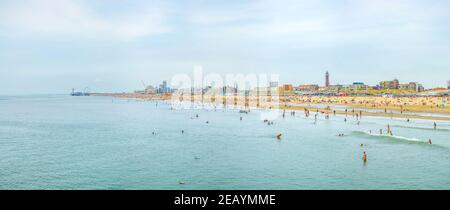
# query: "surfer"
429,141
435,125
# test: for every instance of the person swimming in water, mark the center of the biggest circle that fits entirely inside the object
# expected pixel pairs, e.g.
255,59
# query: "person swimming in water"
278,136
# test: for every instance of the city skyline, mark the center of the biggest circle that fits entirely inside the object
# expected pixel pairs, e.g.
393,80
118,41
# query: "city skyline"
389,84
52,46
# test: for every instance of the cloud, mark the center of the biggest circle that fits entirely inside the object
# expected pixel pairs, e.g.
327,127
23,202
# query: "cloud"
74,19
323,23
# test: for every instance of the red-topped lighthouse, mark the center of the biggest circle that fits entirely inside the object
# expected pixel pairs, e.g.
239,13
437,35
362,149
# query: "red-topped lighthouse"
327,79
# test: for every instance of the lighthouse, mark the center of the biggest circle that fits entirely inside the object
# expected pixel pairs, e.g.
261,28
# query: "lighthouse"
327,79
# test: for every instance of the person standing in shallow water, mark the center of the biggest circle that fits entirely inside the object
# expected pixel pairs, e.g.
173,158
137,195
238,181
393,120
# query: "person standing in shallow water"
364,157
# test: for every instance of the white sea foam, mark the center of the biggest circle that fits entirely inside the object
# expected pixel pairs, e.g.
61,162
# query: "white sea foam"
387,136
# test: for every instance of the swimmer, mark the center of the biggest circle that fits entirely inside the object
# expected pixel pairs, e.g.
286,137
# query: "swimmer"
279,136
182,131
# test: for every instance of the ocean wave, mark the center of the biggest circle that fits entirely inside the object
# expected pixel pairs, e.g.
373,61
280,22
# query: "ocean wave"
422,128
390,137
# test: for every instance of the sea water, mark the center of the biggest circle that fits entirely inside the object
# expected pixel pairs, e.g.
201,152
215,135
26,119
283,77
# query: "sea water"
64,142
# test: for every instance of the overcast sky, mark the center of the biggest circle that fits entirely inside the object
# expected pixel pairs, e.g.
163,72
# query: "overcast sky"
50,46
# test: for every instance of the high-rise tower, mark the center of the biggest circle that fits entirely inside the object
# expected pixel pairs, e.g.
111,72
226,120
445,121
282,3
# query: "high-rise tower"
327,79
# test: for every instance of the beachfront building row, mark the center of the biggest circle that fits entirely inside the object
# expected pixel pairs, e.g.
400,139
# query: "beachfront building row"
395,84
413,86
392,84
163,88
274,88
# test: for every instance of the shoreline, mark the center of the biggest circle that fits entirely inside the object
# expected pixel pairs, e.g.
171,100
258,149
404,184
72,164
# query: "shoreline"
385,112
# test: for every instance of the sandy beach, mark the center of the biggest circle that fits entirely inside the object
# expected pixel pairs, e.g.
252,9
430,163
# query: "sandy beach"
427,108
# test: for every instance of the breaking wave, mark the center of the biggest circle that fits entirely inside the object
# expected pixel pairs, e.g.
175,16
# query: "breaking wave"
389,137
